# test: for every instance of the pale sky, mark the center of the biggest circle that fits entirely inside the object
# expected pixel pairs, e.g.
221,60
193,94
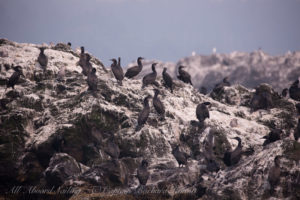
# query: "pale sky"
165,30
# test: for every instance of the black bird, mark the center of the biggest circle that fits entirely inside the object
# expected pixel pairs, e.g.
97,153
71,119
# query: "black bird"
69,44
297,131
117,70
92,80
203,90
184,75
220,86
262,99
150,78
112,149
142,173
294,91
143,115
159,107
181,157
133,71
87,66
82,58
167,79
273,136
202,111
233,157
274,173
43,59
13,80
284,92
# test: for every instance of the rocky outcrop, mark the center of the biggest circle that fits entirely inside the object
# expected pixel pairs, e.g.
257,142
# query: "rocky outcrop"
56,132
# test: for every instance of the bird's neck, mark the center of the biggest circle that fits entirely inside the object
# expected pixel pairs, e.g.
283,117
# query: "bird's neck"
140,64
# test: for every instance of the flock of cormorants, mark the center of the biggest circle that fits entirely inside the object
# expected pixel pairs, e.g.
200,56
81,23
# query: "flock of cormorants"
202,112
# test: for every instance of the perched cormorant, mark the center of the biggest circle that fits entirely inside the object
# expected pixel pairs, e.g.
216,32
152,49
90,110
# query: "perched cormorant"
284,92
202,111
167,79
142,173
203,90
87,67
92,80
273,136
43,59
117,70
294,91
184,75
133,71
233,157
262,99
82,57
297,131
274,173
150,78
13,80
112,149
143,115
181,157
159,107
220,86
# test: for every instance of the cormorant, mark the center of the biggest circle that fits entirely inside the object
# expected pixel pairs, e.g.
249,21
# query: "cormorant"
87,67
13,80
262,99
233,157
150,78
184,75
142,173
219,86
181,157
92,80
82,57
284,92
159,107
273,136
133,71
294,91
297,131
203,90
117,70
274,173
43,59
202,111
112,149
69,44
143,115
167,79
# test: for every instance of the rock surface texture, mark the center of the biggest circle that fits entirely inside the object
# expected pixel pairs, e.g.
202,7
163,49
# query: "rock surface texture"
55,133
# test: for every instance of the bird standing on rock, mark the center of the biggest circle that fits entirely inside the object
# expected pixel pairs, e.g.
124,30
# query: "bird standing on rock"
135,70
157,104
92,80
233,157
142,173
150,78
144,114
43,59
181,157
294,91
117,70
202,111
184,75
13,80
274,173
167,79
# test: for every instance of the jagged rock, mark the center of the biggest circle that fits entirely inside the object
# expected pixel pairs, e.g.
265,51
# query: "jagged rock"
61,167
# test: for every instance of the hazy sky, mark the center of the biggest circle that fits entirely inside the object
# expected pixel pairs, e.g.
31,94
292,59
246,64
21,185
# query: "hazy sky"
166,30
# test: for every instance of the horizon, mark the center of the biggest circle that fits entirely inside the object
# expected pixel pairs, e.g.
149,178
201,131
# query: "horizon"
155,29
